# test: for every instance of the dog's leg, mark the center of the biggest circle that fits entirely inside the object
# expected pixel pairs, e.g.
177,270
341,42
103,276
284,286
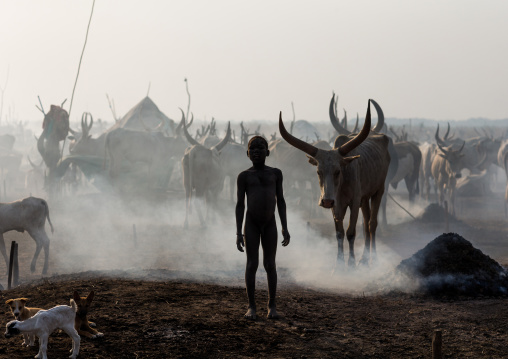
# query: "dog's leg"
95,333
27,339
75,340
43,347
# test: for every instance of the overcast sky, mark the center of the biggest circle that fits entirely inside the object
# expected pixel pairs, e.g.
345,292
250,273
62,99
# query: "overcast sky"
244,60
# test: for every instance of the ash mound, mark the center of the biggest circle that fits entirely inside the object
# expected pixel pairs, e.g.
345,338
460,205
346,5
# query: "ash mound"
451,266
434,213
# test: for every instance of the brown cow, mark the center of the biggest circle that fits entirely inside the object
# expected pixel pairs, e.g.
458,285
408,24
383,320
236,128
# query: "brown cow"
351,175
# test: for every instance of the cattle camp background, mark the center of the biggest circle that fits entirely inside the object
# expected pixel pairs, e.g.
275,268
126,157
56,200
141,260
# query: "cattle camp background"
129,124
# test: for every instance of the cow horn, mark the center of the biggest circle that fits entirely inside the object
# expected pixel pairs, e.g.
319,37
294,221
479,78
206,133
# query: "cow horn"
463,144
355,129
447,132
355,141
442,148
295,142
439,141
334,120
225,140
344,120
186,133
380,117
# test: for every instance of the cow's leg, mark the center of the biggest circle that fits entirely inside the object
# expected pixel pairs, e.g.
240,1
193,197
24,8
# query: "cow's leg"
375,202
383,206
351,235
200,197
366,230
4,252
338,217
41,241
232,184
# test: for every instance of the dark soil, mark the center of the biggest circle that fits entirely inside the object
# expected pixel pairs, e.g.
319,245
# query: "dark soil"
142,318
160,313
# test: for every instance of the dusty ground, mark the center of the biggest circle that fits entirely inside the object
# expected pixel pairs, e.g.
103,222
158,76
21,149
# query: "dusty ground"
160,310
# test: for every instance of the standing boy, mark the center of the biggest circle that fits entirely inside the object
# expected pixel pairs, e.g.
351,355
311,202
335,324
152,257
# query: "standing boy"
263,187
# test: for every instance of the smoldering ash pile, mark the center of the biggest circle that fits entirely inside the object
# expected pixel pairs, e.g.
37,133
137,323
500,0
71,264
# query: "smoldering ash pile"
450,266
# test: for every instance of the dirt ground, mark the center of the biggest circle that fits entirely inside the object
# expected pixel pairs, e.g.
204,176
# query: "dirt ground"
160,311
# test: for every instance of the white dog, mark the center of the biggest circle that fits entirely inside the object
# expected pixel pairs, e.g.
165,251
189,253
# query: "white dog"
44,323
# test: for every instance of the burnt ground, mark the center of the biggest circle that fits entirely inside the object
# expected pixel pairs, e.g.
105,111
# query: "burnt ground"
156,311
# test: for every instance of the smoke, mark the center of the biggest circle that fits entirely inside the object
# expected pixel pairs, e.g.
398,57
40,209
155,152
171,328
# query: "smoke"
101,232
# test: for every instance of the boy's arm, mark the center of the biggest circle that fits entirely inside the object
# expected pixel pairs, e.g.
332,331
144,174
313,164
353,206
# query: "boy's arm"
281,206
240,210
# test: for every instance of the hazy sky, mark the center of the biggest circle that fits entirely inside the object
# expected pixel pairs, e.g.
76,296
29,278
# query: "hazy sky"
245,60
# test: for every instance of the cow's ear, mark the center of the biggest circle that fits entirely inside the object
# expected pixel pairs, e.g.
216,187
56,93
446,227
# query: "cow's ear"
442,155
350,159
71,138
312,160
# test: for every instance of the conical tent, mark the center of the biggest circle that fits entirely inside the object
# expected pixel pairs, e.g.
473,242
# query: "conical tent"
145,115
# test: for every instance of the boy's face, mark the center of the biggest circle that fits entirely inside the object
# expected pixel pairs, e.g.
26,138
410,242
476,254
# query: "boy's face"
257,151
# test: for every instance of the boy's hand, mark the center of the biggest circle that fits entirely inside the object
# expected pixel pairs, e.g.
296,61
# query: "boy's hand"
240,242
286,236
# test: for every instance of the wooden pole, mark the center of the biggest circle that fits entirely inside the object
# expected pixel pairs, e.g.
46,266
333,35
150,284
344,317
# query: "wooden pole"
446,217
15,269
437,343
134,235
11,264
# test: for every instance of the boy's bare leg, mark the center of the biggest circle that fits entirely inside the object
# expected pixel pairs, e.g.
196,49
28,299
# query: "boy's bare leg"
269,243
252,240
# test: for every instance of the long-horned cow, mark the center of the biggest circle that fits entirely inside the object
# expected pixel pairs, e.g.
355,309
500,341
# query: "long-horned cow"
202,172
28,214
394,161
351,175
446,167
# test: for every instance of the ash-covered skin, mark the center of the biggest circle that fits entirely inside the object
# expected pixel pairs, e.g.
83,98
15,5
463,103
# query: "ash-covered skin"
263,187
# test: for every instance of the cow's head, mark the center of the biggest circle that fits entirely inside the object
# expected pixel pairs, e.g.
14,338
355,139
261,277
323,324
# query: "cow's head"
454,158
330,163
80,142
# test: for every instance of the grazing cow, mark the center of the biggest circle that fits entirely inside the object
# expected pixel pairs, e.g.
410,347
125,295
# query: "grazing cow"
502,160
446,167
351,175
410,159
202,172
428,151
28,214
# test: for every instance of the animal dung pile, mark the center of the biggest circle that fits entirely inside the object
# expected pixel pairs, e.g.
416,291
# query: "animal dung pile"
434,213
451,266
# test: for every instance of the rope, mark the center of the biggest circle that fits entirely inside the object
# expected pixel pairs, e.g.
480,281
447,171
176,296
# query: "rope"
398,204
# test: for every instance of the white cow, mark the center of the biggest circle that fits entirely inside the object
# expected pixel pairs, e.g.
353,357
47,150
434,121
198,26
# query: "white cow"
28,214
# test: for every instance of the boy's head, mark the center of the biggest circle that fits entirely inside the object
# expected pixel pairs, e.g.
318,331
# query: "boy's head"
257,149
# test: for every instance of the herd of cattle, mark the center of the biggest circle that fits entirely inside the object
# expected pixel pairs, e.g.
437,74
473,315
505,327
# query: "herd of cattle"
355,169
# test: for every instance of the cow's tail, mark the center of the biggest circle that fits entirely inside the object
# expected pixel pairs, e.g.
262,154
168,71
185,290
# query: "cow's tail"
47,215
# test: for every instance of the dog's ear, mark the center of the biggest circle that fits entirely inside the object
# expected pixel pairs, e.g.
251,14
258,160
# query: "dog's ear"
23,300
9,301
90,297
76,296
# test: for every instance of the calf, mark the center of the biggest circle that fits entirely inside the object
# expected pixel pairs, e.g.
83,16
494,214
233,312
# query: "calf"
28,214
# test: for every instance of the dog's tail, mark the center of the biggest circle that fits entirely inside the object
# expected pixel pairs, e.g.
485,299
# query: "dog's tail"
74,305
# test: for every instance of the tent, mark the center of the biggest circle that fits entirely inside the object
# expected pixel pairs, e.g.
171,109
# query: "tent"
145,115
